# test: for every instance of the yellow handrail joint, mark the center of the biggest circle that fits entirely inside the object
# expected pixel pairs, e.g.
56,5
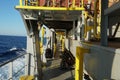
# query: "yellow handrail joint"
79,62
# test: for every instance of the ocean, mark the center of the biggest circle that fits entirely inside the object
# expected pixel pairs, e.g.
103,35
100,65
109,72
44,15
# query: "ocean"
11,47
9,42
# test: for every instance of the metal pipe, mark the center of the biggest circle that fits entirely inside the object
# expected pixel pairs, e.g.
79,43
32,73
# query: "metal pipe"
37,3
79,62
37,52
26,2
53,3
12,60
10,71
95,21
20,1
73,3
82,2
85,27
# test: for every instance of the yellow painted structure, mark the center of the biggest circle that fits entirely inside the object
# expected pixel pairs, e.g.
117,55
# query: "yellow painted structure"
26,78
97,20
79,62
42,32
63,44
87,28
54,49
23,6
49,8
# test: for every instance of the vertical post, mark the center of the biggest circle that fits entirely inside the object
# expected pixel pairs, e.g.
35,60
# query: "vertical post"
74,35
82,26
26,2
104,23
53,3
10,70
20,1
38,3
79,62
27,63
73,3
82,2
38,56
79,65
54,45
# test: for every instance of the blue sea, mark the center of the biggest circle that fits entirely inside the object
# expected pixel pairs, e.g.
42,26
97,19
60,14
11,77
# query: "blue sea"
11,47
9,42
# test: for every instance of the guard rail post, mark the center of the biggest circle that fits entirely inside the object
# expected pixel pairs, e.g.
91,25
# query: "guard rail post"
10,71
79,62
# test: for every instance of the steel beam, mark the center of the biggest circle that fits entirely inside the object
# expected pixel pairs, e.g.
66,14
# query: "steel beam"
49,8
104,23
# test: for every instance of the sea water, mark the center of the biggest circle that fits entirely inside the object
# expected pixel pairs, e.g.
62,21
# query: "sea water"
11,47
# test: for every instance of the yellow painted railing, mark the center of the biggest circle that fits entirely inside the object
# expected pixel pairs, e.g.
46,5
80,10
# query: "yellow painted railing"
23,4
96,20
86,27
79,62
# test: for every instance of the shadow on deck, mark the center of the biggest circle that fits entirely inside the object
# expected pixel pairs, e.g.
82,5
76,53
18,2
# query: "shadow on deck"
54,72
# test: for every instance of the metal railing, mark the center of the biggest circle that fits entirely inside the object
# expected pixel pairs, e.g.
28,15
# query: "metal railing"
50,5
11,66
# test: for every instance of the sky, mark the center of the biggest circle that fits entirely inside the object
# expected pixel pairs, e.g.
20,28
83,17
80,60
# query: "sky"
10,20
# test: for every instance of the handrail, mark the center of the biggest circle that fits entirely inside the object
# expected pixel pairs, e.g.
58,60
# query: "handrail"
14,75
95,20
35,5
12,60
85,27
80,51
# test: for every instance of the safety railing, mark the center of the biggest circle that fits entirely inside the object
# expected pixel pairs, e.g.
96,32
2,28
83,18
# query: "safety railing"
80,51
9,66
96,18
51,4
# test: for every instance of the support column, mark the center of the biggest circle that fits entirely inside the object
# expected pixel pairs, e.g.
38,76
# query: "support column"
37,52
104,23
79,62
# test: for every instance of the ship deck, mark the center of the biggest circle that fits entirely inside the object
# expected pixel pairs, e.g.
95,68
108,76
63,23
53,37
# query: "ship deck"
54,72
113,43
